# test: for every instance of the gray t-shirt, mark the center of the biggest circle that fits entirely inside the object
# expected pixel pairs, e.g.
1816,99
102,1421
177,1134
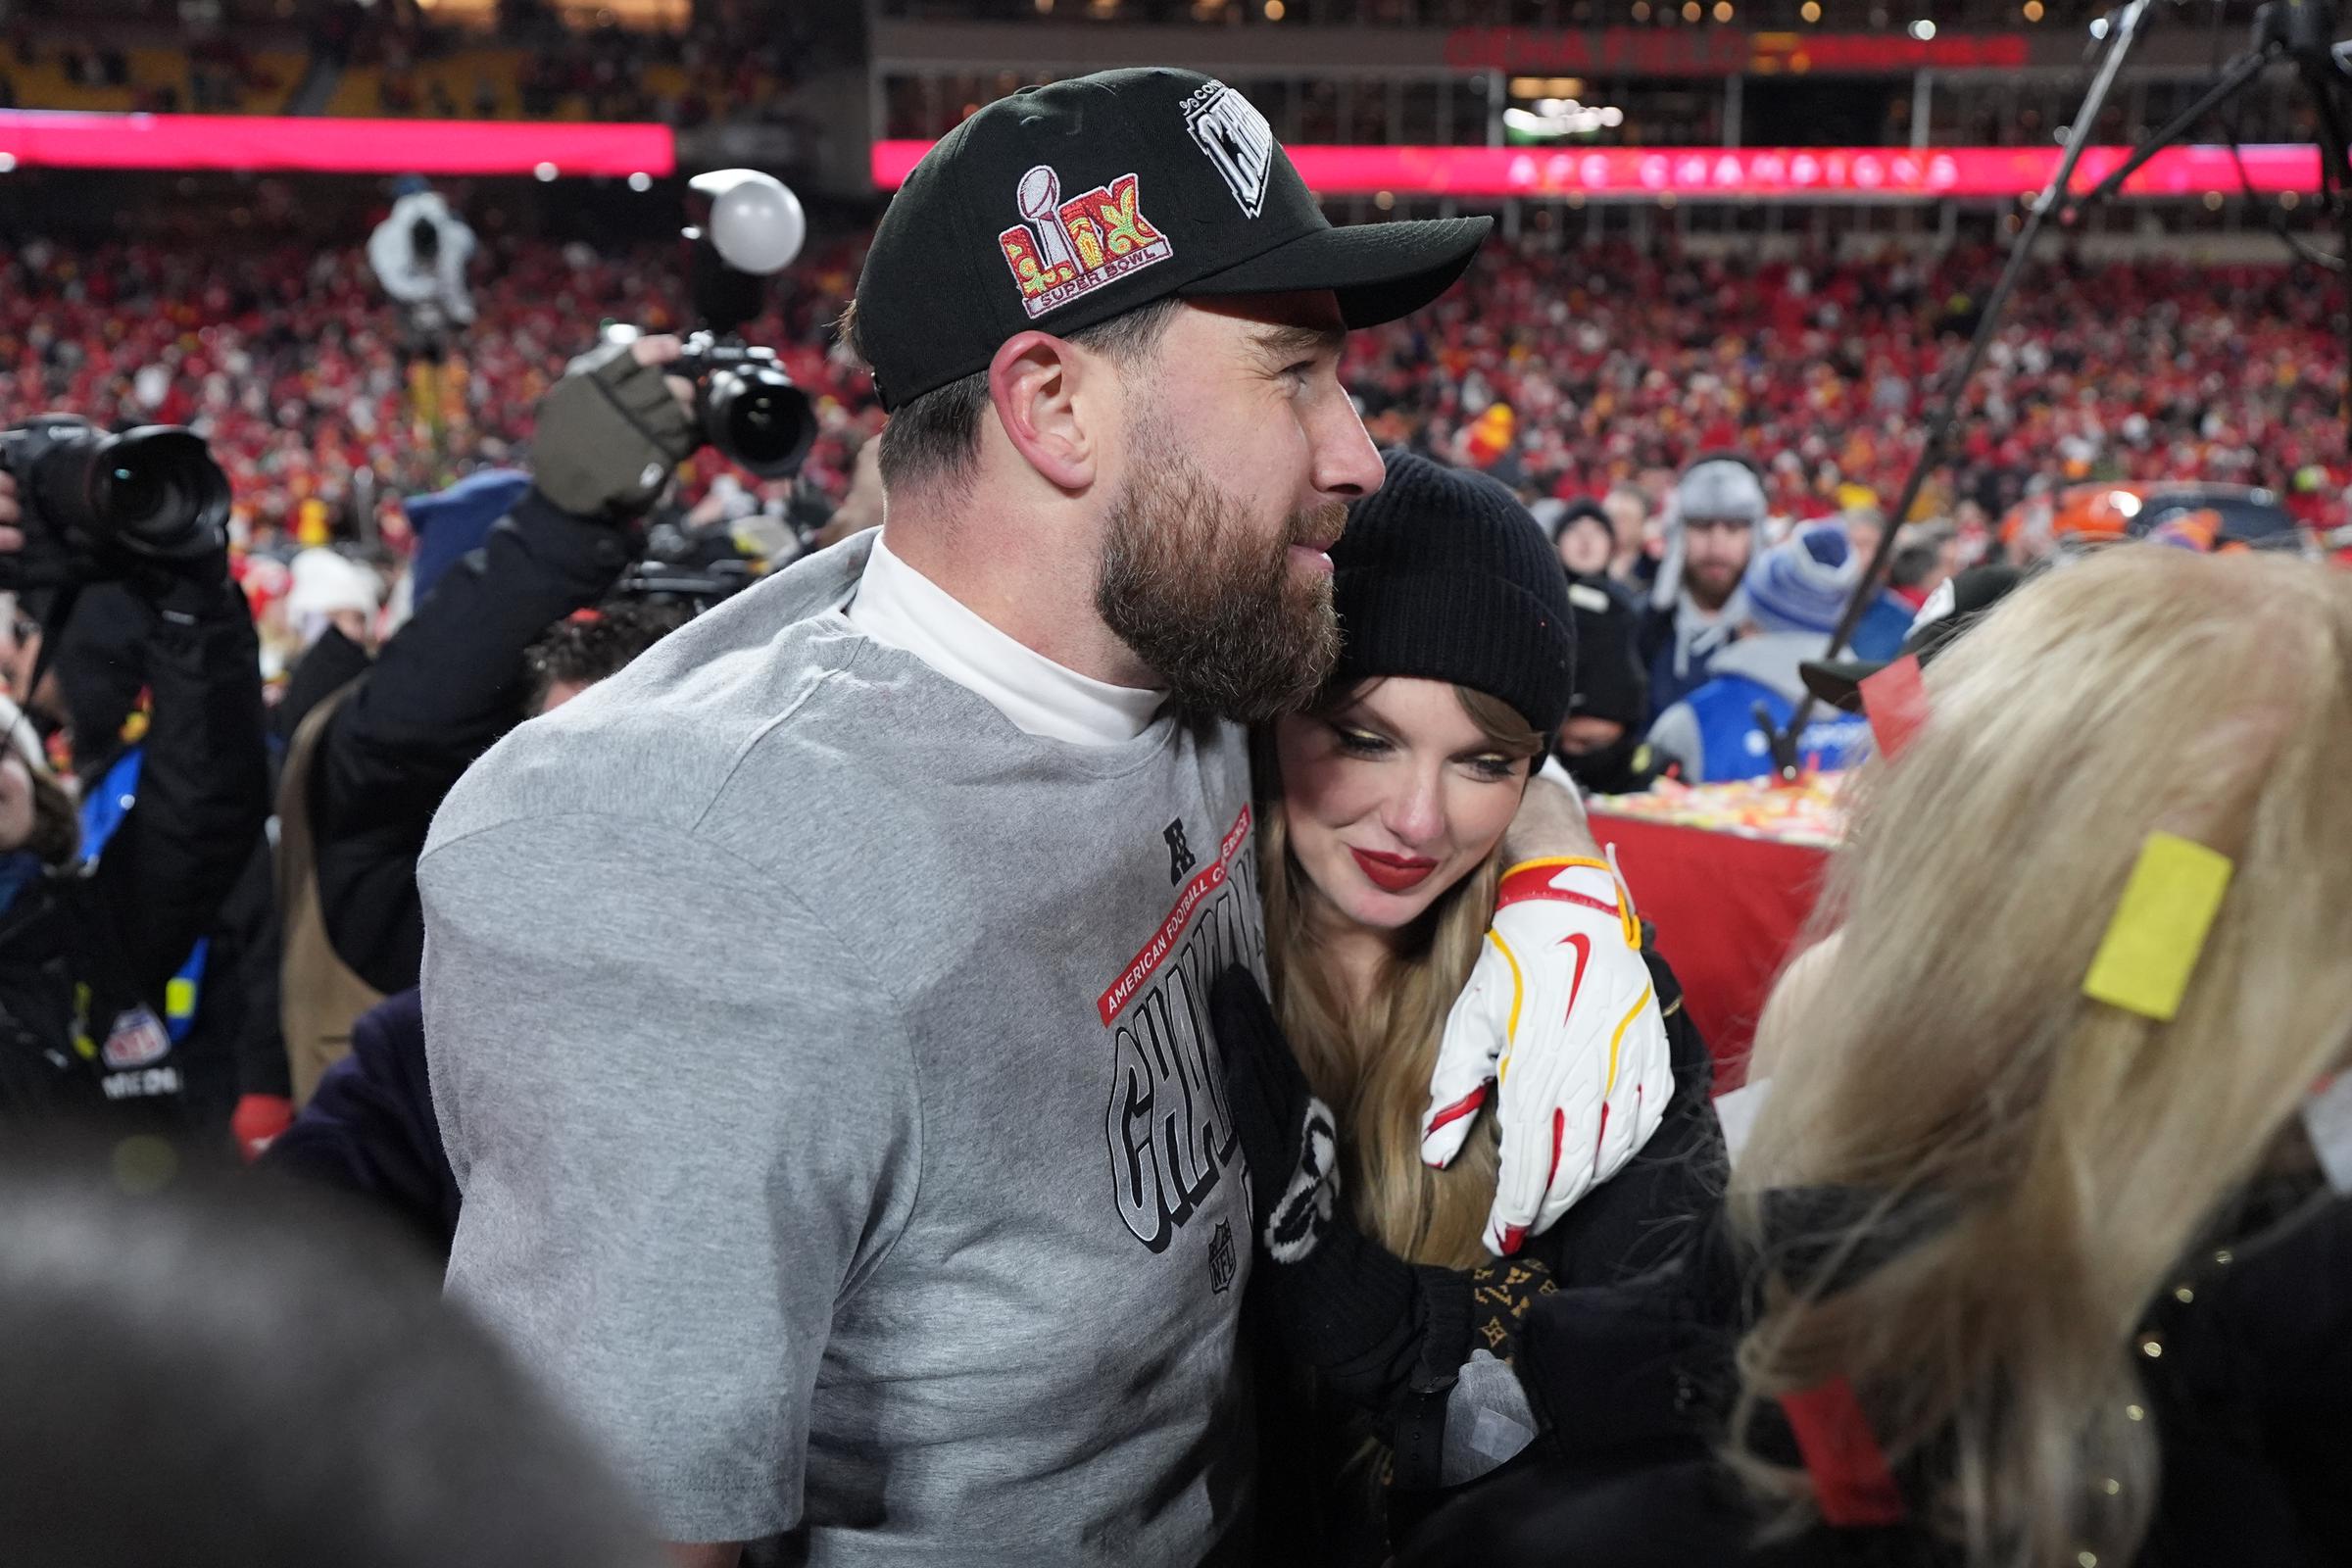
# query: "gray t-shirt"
825,1066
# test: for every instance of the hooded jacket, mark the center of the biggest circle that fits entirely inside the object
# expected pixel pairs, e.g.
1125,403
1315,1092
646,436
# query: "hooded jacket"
1713,732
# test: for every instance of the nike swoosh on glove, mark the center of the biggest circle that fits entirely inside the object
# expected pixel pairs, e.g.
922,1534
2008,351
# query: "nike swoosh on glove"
1559,1028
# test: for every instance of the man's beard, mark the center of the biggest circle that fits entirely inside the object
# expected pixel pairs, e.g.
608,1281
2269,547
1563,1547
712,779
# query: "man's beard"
1214,607
1711,587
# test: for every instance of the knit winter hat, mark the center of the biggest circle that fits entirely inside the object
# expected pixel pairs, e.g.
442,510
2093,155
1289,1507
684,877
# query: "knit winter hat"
325,582
1719,490
1444,576
1800,584
453,524
1575,515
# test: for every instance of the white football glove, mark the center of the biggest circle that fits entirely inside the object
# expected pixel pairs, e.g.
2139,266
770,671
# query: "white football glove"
1560,1024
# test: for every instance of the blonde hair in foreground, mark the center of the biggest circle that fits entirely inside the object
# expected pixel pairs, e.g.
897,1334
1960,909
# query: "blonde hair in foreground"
1371,1065
2073,1155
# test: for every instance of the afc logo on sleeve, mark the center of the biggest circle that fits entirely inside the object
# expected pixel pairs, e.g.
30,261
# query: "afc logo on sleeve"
1179,854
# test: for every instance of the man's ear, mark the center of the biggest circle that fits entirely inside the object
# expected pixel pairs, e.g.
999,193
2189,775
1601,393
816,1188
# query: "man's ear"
1035,383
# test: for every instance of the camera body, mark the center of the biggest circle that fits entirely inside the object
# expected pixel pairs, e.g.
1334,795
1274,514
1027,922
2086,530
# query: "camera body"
746,406
98,504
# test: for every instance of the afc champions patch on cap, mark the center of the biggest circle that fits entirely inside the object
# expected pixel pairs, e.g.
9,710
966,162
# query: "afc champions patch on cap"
1102,194
1228,127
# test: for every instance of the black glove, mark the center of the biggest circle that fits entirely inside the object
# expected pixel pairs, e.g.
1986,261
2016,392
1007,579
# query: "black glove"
608,434
186,584
1377,1327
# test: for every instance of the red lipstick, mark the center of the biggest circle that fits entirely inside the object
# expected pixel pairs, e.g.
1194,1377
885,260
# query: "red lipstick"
1394,873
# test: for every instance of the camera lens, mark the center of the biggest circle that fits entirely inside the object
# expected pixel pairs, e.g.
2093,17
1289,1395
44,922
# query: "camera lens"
758,418
137,494
158,491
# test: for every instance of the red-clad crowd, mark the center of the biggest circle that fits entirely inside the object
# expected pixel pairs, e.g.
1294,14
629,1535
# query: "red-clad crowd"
1564,371
1579,369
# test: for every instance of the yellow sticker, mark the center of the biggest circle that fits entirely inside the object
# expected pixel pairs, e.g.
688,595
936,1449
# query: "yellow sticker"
2152,946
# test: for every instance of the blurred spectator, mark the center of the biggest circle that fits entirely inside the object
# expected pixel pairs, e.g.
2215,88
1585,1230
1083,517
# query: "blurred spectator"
1926,558
1713,522
217,1379
1882,624
1581,533
1790,604
335,635
1603,743
1629,519
333,593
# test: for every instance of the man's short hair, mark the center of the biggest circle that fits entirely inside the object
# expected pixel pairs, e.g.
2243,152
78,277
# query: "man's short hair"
221,1377
598,644
1914,564
936,437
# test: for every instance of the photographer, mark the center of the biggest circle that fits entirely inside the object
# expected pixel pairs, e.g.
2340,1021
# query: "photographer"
373,763
221,1004
89,945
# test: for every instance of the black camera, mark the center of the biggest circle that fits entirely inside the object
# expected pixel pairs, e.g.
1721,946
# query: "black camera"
747,406
96,505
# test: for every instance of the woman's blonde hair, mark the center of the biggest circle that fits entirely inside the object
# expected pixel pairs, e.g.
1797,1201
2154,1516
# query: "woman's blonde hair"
2031,1168
1371,1065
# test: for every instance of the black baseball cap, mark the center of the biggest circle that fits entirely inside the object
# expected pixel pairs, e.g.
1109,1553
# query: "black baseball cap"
1066,205
1950,611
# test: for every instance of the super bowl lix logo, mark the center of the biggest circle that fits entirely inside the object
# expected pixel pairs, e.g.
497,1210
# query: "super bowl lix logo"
1069,249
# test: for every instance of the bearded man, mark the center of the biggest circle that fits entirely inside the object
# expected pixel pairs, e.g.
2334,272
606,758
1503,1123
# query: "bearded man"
818,1010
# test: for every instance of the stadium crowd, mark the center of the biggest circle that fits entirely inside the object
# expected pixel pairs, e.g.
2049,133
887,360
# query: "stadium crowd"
1566,372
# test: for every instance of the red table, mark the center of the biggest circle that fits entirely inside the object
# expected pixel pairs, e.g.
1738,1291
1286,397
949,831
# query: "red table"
1727,910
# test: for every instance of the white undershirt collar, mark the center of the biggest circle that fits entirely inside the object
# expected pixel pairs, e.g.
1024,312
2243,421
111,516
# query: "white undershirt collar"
900,608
